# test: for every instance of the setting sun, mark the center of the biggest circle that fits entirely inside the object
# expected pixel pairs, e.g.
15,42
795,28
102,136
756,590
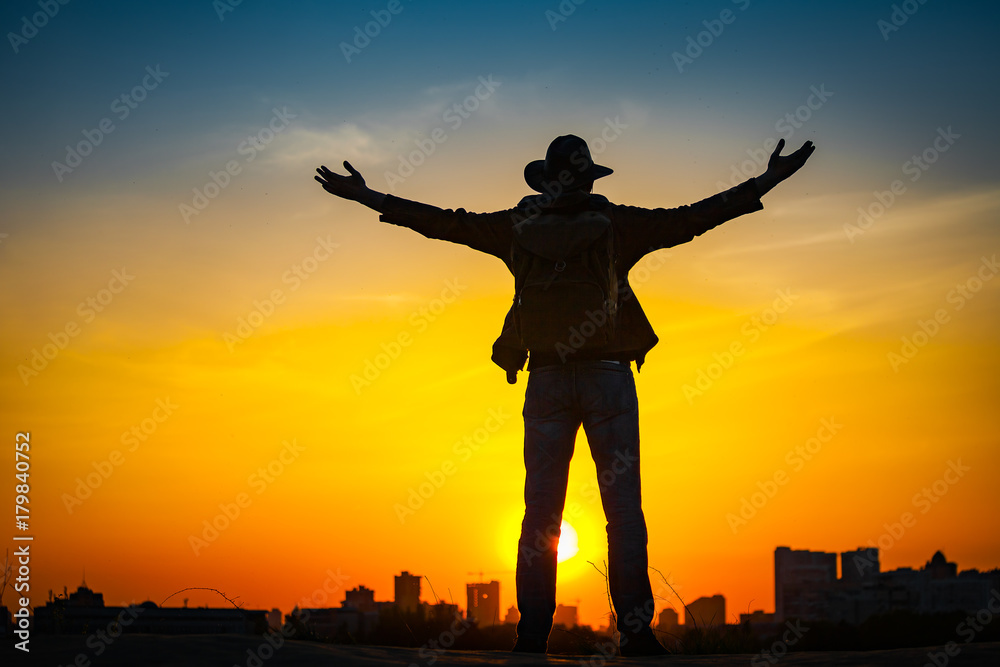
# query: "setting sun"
567,542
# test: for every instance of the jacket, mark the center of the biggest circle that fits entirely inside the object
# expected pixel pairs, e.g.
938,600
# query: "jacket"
638,231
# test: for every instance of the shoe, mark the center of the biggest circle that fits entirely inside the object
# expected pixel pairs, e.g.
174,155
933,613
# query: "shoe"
642,644
530,644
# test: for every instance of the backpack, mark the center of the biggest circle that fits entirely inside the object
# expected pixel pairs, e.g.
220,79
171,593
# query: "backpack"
565,284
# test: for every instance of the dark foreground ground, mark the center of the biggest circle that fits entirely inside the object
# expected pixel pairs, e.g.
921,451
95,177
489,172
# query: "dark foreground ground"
229,650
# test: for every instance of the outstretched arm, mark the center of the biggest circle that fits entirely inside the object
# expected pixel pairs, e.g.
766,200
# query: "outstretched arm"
350,187
486,232
779,168
644,230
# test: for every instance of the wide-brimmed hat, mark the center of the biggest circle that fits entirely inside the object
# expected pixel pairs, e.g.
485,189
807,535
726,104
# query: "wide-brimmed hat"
567,166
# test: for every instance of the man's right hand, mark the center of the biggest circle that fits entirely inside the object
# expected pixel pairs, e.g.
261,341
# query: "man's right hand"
349,187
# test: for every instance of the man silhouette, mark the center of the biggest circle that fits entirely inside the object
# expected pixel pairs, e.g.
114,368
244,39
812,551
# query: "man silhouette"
577,385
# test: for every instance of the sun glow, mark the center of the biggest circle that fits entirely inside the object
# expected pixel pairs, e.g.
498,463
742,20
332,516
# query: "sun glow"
567,542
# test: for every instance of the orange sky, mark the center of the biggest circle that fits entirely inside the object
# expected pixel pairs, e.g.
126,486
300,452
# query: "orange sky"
158,358
208,363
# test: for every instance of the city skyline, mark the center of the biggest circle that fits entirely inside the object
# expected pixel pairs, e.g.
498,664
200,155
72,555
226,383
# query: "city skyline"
816,569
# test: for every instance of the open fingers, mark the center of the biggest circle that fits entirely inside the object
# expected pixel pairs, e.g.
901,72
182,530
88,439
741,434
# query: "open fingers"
329,175
805,151
776,154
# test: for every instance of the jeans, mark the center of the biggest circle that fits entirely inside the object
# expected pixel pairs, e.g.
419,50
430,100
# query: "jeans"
601,396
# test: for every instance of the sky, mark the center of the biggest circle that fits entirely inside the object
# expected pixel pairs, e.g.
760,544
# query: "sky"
233,380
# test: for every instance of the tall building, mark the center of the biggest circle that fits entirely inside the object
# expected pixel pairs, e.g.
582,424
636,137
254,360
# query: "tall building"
668,621
859,565
483,603
668,629
706,612
407,592
802,580
362,599
805,587
565,615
